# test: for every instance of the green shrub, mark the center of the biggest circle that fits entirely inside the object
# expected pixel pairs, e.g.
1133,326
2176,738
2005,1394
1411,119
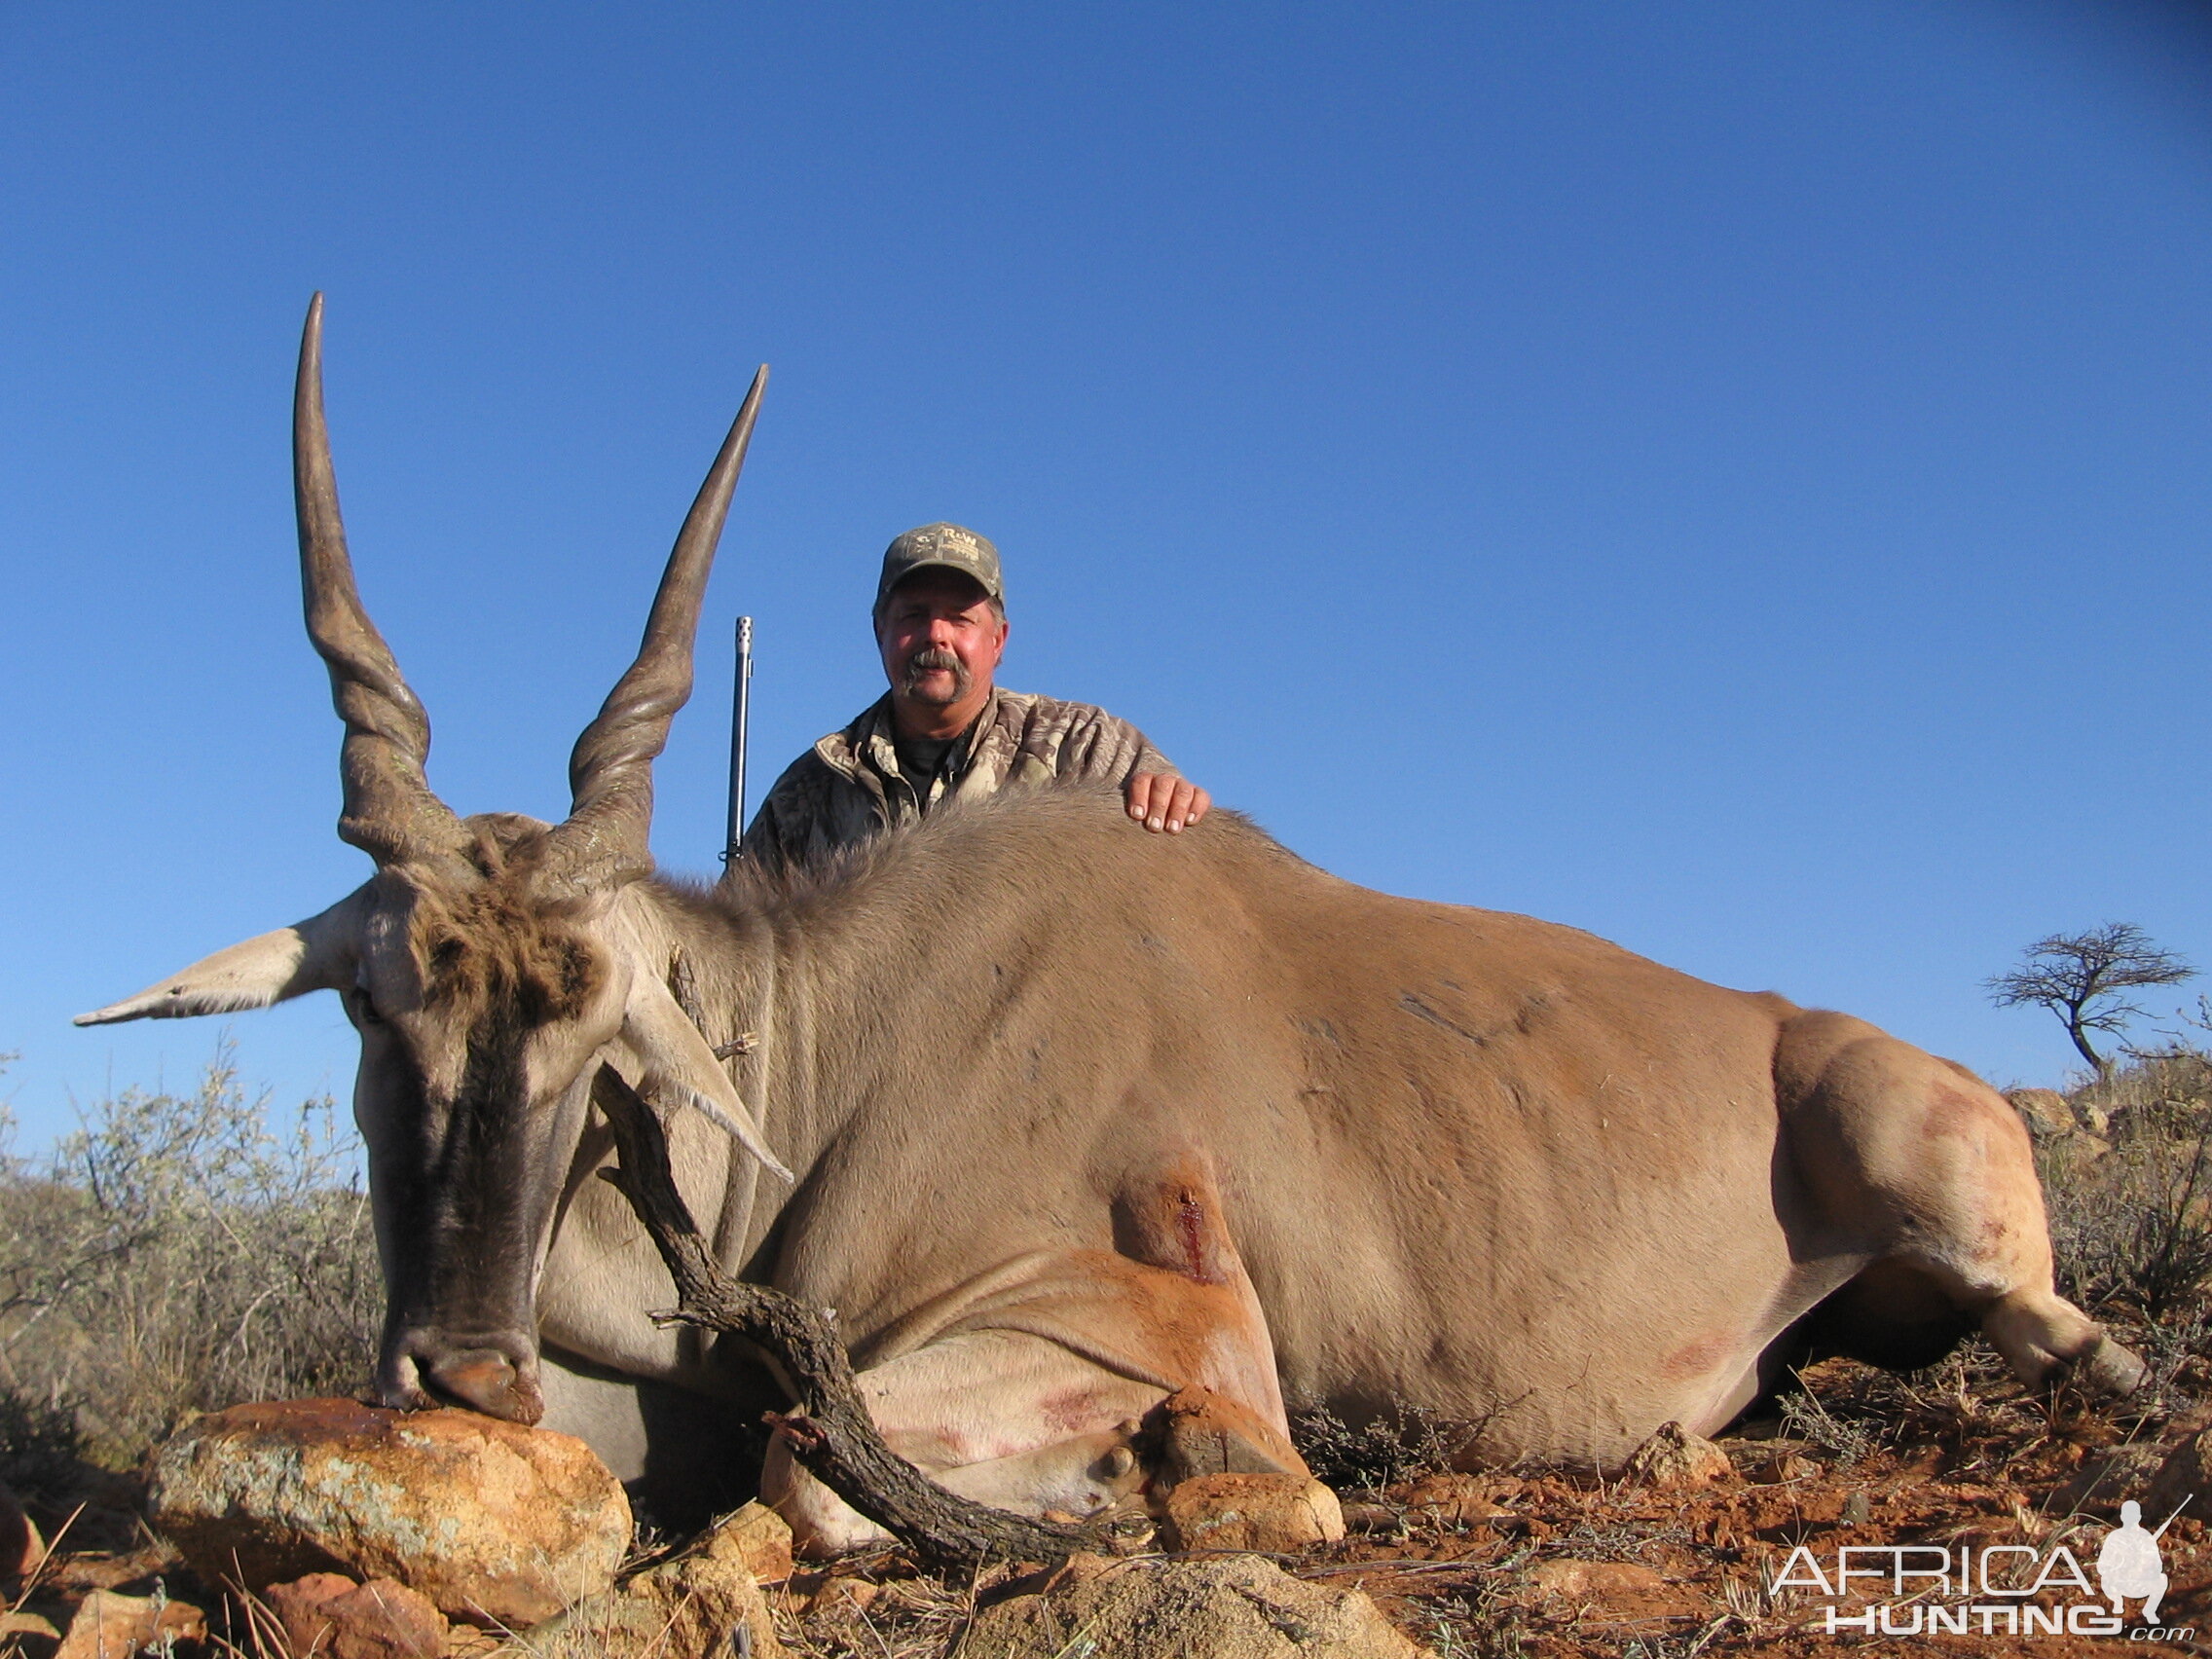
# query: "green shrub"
176,1254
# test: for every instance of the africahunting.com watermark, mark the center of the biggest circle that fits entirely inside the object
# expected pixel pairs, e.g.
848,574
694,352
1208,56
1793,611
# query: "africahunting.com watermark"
1992,1589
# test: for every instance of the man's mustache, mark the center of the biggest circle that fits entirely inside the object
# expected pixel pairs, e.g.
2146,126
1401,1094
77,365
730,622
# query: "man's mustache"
932,658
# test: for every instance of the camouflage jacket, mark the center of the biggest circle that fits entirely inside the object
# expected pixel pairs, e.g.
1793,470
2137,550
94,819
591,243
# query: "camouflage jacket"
849,786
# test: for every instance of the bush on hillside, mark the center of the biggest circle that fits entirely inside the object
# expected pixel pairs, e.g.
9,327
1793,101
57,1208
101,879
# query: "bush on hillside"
177,1254
2132,1226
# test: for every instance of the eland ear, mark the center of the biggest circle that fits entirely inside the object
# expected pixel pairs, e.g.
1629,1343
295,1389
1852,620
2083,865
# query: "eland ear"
313,955
672,1061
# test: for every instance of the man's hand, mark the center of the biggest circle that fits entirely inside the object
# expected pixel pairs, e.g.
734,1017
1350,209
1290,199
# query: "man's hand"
1159,801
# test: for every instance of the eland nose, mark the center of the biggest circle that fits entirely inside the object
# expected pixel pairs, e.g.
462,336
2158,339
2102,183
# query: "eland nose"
496,1375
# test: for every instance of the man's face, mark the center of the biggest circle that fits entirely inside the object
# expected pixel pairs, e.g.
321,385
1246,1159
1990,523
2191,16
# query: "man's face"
941,642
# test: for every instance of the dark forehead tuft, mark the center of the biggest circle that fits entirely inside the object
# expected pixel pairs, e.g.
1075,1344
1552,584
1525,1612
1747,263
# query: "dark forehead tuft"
499,948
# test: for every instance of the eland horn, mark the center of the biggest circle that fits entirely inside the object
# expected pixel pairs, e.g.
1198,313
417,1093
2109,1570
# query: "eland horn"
390,812
610,772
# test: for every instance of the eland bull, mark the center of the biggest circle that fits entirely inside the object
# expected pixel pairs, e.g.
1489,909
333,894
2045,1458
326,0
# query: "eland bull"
1062,1118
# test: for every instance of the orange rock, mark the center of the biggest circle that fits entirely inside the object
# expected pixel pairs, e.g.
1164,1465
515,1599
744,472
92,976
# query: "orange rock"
1676,1457
327,1613
492,1521
1452,1500
697,1604
1270,1513
2044,1110
843,1594
1595,1580
757,1539
108,1626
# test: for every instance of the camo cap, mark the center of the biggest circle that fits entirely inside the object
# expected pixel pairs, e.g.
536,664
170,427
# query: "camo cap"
940,544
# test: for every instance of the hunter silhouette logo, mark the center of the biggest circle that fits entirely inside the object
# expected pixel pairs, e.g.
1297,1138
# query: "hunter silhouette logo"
1995,1590
2129,1564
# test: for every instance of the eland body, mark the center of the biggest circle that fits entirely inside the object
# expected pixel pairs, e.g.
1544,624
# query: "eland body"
1062,1118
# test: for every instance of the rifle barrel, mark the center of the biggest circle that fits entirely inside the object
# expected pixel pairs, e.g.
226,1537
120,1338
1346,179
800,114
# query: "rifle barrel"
740,714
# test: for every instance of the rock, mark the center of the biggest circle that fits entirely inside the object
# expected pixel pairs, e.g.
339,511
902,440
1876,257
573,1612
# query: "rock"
1676,1457
1224,1607
2103,1482
108,1626
2078,1147
22,1549
1771,1462
1452,1500
2185,1476
20,1623
843,1596
756,1538
699,1602
327,1613
2044,1110
1275,1513
495,1523
2098,1122
1595,1580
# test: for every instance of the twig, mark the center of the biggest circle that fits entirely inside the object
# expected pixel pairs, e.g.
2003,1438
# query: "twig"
830,1431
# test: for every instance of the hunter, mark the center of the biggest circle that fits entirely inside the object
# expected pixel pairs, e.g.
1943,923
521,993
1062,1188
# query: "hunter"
944,731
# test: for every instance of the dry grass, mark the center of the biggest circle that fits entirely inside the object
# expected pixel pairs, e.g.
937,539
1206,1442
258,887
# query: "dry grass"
1382,1452
176,1254
2132,1226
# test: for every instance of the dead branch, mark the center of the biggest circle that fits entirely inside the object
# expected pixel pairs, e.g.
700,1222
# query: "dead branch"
830,1431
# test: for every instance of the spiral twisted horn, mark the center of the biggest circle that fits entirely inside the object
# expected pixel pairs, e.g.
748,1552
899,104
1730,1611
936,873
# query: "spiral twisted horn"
390,810
610,781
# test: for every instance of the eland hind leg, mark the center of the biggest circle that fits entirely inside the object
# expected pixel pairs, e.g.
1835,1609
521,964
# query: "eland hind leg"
1917,1163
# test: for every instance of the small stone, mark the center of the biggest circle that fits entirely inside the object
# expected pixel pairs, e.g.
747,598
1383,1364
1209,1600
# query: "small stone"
20,1623
1771,1462
843,1594
1595,1580
757,1539
701,1600
2044,1110
108,1626
1858,1509
493,1522
1276,1514
2079,1146
329,1613
1676,1457
1452,1500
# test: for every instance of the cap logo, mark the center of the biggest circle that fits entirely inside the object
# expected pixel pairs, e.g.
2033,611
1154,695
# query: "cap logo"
948,545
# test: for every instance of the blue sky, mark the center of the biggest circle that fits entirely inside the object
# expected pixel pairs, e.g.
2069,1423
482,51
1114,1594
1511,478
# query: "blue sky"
1730,476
